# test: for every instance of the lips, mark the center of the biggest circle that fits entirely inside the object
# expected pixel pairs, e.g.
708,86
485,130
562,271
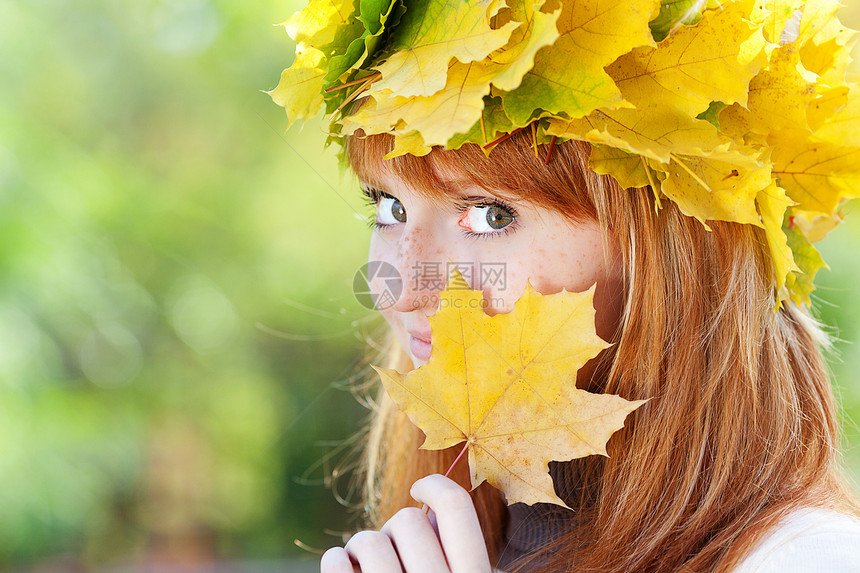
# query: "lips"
419,344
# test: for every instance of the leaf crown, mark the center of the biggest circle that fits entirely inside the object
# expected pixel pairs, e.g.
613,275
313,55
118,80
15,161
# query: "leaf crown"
736,110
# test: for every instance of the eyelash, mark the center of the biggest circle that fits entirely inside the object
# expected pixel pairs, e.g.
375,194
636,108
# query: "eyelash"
372,197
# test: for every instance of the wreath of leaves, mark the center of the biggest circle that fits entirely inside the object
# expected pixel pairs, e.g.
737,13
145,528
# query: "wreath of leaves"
736,110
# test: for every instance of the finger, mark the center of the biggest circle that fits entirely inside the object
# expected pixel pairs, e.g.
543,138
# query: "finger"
336,560
457,521
416,541
373,552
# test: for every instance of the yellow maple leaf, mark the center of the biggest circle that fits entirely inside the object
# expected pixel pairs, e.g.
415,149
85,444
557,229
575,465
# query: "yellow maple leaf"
772,204
827,106
828,60
775,15
628,169
816,175
820,24
430,35
842,126
299,90
780,96
320,22
709,189
815,226
569,75
711,61
659,134
493,123
409,142
451,110
506,385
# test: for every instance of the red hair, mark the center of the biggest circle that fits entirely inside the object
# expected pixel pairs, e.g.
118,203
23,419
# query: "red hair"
741,427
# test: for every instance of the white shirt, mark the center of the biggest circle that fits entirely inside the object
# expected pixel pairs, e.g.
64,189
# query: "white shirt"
808,541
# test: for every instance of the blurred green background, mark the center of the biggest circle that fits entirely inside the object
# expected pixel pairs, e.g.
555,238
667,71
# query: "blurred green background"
178,333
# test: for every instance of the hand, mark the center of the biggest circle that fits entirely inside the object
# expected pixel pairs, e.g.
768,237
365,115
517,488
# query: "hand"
448,539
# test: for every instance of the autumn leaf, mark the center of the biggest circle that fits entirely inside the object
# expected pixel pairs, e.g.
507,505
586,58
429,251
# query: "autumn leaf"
457,108
493,123
506,385
712,114
452,110
817,175
800,284
780,96
711,61
775,16
298,91
373,15
409,142
659,134
815,226
321,22
629,170
433,32
323,30
819,23
568,76
830,105
842,126
772,204
674,14
709,189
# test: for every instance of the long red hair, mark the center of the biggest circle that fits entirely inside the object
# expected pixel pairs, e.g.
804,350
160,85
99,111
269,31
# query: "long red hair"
741,426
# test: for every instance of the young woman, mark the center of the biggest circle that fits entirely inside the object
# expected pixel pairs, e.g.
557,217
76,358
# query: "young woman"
733,460
727,139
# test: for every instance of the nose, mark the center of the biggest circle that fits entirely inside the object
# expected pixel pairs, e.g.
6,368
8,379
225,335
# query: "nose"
423,275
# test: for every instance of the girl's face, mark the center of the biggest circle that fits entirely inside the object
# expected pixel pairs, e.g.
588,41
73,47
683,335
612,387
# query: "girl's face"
496,244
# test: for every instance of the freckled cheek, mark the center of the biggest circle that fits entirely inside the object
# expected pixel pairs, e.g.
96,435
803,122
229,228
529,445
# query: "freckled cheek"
548,272
574,269
380,252
501,294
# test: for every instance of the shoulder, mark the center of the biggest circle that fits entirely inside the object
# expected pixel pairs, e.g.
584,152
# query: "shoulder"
808,541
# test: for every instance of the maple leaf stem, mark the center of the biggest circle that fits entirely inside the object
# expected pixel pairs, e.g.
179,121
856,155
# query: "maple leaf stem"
426,507
652,183
534,139
498,140
353,82
549,151
457,459
363,87
483,127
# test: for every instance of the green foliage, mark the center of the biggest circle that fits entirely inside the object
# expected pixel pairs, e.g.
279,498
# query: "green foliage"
156,236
